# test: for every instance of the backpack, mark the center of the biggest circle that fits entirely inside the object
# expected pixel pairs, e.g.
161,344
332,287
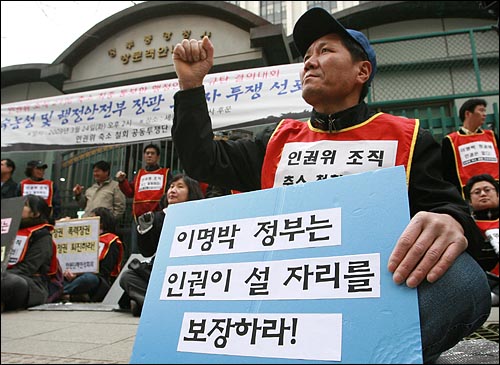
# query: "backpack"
55,284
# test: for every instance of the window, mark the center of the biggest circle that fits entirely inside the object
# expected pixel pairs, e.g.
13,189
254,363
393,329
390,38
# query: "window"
331,6
274,11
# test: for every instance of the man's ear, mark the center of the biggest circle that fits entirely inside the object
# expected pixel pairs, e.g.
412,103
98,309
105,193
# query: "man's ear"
365,70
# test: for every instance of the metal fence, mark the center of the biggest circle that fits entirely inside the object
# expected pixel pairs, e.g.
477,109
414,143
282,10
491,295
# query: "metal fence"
428,76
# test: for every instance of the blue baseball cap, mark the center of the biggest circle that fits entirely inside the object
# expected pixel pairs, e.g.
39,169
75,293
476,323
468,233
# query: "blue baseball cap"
317,22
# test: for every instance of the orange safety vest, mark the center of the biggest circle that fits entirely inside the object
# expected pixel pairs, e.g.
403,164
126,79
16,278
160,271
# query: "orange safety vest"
105,241
23,238
489,229
149,187
43,188
474,154
297,152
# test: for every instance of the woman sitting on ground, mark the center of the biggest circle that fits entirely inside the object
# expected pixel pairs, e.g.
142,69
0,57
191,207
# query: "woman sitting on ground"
93,287
135,280
33,257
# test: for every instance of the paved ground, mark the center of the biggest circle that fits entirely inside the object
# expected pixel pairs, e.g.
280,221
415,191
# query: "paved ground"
67,337
107,337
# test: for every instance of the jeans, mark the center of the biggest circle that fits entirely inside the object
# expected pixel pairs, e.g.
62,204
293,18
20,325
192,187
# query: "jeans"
453,307
85,283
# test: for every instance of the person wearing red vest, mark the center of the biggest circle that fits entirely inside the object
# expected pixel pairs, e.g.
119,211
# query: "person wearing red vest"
36,184
481,191
343,137
135,280
31,259
471,150
93,287
147,187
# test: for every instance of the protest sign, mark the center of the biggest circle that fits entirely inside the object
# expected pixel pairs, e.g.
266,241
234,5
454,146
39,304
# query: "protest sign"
291,275
78,246
12,209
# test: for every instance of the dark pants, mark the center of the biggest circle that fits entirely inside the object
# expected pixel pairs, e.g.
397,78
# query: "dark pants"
135,282
15,291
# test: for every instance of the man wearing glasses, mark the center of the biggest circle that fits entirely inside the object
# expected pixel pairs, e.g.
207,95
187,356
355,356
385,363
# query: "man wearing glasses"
481,192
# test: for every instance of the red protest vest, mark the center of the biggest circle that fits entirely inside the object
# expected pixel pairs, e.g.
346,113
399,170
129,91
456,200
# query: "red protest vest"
106,240
297,152
485,225
474,154
25,235
149,187
489,229
46,189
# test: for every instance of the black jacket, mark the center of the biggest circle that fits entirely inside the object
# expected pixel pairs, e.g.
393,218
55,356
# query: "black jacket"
107,264
237,164
35,266
9,189
486,255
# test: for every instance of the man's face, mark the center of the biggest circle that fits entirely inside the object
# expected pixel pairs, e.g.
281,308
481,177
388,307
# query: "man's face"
100,175
331,81
5,169
483,196
151,157
477,117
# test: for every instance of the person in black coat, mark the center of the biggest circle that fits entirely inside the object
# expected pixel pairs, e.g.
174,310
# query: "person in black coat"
9,186
25,283
135,280
433,252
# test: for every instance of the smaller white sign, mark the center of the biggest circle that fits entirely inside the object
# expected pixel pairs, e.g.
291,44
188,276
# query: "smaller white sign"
475,152
77,242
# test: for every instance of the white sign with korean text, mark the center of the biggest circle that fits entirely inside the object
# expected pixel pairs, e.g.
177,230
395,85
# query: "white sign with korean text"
77,242
301,279
475,152
310,161
275,335
280,232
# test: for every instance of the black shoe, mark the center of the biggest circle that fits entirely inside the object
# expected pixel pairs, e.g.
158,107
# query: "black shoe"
65,298
80,297
135,308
